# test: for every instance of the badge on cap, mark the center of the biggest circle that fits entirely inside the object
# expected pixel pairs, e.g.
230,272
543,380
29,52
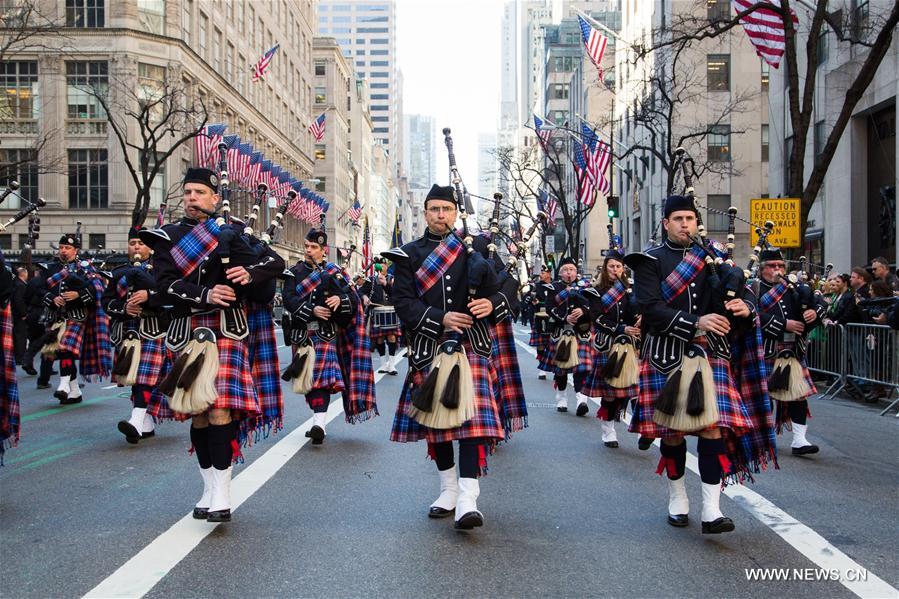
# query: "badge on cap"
321,240
214,180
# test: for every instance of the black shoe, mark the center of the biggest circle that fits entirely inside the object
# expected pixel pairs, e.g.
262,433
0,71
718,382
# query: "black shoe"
43,385
722,524
382,370
807,449
582,409
612,444
542,377
438,512
681,520
54,372
392,373
132,435
469,521
29,370
317,434
148,435
565,409
71,400
201,513
644,443
219,516
59,394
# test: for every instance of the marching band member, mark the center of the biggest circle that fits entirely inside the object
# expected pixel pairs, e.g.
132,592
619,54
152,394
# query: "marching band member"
384,336
541,326
9,389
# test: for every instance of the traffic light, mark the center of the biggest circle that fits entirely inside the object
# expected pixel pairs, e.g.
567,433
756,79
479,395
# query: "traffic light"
613,206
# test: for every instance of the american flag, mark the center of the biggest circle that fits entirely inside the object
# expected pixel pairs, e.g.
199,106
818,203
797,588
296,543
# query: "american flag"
317,128
366,252
765,28
600,160
594,41
255,175
245,152
206,142
544,133
548,204
396,240
355,211
264,62
586,177
233,158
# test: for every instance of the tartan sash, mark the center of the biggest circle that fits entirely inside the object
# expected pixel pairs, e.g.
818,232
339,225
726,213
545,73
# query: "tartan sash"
121,287
612,296
565,294
306,286
61,275
191,249
437,263
772,296
676,282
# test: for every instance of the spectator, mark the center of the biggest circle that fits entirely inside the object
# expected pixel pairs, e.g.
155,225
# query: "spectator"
860,282
843,300
19,315
881,269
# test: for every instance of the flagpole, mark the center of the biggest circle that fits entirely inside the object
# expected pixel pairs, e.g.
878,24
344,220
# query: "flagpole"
601,26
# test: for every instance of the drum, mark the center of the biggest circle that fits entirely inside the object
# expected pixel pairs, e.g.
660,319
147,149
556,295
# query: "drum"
384,317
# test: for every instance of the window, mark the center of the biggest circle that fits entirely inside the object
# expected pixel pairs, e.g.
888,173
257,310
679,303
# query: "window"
379,86
380,63
150,87
360,52
766,70
764,143
341,19
6,242
241,25
560,117
319,68
19,97
342,30
217,51
380,97
718,10
380,108
151,14
381,130
96,241
201,38
229,62
820,140
380,119
88,179
822,46
372,19
719,143
563,64
559,91
378,52
380,41
158,188
320,95
320,151
85,13
718,72
859,19
718,205
187,12
372,30
322,184
85,81
360,63
19,166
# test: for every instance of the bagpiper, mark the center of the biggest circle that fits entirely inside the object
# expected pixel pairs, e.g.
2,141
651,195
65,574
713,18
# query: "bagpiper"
137,328
541,326
613,381
203,269
687,383
78,327
384,325
9,389
788,311
332,348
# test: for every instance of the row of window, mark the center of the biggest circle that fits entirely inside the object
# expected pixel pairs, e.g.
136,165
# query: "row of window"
323,7
95,241
88,173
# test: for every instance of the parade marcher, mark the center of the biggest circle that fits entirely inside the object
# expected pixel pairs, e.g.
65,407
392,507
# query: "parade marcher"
541,326
204,269
687,385
333,351
384,325
9,389
34,298
613,380
78,327
138,323
572,347
20,315
431,293
787,312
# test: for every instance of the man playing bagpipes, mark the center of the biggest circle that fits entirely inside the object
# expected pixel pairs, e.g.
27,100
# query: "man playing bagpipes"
572,347
541,326
77,325
448,393
9,389
787,312
616,366
203,269
696,374
138,323
333,351
384,325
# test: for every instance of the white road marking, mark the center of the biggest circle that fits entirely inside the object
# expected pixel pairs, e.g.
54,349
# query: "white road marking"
110,386
141,573
801,537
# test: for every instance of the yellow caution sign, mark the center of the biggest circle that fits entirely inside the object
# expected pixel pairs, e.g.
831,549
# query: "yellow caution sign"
785,213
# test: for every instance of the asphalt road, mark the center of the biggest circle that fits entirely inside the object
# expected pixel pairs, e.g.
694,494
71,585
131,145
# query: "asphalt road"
565,516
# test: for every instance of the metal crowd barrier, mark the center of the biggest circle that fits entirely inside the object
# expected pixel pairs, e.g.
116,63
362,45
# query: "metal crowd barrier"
867,353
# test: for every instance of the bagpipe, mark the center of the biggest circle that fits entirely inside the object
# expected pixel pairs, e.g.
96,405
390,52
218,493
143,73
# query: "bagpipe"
136,277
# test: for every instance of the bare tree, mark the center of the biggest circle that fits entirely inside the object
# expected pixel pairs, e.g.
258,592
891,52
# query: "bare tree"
151,114
28,25
870,34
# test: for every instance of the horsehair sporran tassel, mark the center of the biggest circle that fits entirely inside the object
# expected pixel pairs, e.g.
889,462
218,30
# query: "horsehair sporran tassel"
628,369
302,382
693,365
452,376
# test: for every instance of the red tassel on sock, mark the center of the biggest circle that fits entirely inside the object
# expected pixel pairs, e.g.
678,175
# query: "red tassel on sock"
431,453
236,455
603,413
725,464
482,458
667,465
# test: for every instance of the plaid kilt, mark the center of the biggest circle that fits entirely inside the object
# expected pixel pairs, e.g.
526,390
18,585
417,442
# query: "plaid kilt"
585,357
153,354
262,351
326,373
486,424
234,383
377,335
9,389
72,338
507,387
732,414
596,386
158,406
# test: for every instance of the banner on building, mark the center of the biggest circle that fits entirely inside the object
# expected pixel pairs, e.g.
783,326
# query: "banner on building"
785,213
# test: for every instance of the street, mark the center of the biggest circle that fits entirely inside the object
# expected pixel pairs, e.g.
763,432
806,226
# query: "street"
82,512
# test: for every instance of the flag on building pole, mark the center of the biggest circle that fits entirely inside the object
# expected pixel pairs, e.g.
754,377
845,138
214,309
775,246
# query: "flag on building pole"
594,42
264,62
366,252
396,239
355,211
766,31
548,205
317,128
543,132
586,177
206,143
